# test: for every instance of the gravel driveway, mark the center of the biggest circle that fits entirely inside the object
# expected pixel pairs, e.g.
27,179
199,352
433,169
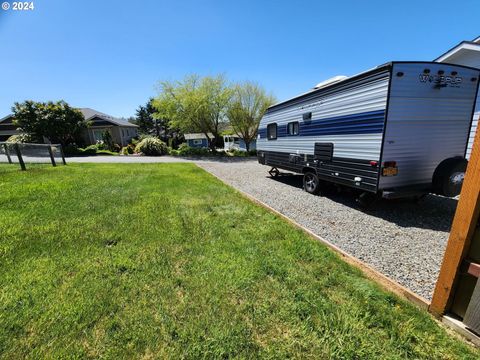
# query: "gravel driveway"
401,239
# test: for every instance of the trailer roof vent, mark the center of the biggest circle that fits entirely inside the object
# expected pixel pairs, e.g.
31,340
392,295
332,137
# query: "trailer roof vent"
330,81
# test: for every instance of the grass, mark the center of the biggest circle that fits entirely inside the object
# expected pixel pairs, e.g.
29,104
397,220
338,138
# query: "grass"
163,260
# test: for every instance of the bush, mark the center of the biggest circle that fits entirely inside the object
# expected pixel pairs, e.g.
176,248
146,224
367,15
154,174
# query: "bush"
89,150
151,146
128,150
106,152
107,141
96,149
237,153
240,153
71,150
20,138
185,150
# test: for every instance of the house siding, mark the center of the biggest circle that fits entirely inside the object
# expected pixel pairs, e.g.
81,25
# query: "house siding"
192,143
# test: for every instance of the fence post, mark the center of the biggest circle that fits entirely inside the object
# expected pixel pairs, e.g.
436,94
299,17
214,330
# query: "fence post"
7,152
63,155
19,156
52,158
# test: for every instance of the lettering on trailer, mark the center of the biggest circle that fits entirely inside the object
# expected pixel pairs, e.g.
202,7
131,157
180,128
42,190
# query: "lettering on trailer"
441,80
313,105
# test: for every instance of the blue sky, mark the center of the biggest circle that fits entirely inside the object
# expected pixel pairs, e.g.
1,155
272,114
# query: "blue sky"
109,55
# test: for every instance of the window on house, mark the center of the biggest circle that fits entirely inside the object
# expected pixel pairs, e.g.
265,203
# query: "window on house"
292,128
197,142
98,135
272,131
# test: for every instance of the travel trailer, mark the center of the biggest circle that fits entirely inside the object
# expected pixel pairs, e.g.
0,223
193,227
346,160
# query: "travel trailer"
398,130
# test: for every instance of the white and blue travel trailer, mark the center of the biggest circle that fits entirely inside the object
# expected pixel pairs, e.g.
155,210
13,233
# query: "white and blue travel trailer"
398,130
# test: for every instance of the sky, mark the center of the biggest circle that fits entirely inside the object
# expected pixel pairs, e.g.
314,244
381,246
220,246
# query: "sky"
110,55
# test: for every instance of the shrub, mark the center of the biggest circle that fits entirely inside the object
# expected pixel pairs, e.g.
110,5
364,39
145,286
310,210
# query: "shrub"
89,150
128,150
106,152
20,138
107,141
71,150
151,146
240,153
185,150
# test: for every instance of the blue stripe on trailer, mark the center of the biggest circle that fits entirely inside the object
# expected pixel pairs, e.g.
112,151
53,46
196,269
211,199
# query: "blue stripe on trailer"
363,123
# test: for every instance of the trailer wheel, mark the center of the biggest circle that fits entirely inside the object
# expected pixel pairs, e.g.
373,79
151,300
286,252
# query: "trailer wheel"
311,183
448,176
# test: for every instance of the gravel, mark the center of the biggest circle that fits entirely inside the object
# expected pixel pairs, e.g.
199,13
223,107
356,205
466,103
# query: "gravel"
403,240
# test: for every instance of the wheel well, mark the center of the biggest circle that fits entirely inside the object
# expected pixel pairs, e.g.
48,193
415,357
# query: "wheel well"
443,172
308,169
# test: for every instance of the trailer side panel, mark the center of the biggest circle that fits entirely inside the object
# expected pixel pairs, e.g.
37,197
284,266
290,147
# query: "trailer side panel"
351,118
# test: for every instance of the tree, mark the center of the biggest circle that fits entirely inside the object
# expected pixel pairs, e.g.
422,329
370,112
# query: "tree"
195,105
146,121
246,109
58,122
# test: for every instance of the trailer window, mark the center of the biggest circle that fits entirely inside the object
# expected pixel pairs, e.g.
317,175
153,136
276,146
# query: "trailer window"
271,131
292,128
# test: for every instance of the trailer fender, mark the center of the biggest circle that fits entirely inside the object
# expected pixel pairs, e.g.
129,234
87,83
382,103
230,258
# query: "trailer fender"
448,177
309,169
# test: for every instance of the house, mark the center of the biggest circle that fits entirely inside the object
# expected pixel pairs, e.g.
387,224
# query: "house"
121,130
466,53
197,140
7,128
235,142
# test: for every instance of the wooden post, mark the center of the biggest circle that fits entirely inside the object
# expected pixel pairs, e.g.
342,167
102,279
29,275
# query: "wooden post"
52,158
20,158
63,155
7,152
463,227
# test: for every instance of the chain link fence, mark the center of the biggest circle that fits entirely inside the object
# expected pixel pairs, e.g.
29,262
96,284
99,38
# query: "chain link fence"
25,153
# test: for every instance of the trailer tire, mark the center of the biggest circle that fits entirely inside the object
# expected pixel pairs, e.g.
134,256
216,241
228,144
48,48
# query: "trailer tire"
311,183
448,177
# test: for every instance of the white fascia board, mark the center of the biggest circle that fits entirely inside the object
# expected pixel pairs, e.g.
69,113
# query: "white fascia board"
464,46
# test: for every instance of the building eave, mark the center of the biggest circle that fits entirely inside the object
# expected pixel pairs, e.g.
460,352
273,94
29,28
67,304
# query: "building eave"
464,45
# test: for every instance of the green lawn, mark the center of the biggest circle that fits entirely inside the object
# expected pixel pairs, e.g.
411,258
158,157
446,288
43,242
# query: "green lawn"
163,260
